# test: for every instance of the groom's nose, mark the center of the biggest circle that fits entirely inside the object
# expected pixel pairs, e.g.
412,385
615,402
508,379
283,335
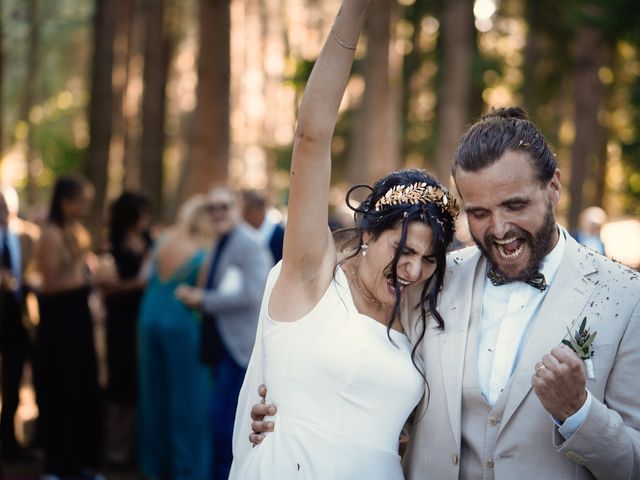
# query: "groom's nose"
500,224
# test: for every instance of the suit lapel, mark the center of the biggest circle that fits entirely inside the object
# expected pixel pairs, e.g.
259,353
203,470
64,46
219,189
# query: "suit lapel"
220,264
457,313
569,293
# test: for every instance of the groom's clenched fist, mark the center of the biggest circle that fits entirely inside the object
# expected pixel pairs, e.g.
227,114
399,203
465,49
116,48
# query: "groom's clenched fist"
559,382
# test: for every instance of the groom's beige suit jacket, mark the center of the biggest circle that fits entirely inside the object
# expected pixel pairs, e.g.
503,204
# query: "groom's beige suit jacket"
518,439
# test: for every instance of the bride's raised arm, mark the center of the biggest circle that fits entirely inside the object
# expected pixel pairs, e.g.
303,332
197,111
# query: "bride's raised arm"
309,254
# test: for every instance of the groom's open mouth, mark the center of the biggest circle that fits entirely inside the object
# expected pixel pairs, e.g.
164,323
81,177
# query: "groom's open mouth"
510,248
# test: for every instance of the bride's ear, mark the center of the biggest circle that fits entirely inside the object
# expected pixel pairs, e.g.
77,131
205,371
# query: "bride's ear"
366,238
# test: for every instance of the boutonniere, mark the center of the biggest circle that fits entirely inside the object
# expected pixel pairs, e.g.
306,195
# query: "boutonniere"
581,342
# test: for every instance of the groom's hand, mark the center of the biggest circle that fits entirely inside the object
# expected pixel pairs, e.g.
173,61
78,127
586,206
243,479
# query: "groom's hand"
258,412
559,382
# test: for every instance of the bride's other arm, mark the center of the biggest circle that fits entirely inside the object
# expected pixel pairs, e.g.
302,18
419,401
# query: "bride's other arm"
309,254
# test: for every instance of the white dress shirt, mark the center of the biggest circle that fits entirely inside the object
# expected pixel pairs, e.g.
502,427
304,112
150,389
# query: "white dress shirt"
505,322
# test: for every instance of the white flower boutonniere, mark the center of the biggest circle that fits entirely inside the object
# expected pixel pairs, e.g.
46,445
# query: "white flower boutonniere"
581,342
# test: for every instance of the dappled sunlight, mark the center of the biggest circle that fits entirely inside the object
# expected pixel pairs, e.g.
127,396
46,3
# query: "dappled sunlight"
483,10
622,241
13,168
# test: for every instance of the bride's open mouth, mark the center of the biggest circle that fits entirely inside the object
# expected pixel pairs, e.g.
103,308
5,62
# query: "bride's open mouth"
402,283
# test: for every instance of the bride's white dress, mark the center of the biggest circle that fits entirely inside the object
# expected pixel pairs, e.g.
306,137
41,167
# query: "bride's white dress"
342,389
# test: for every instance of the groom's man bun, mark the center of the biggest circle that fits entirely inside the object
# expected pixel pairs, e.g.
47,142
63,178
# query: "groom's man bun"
499,131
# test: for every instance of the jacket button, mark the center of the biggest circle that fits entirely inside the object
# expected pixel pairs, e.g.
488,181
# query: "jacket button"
454,458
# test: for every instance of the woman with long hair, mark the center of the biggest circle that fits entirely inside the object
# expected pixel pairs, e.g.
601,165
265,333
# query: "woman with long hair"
129,248
174,437
65,361
330,346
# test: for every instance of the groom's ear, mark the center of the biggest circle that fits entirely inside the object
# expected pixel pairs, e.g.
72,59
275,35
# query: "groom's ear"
555,188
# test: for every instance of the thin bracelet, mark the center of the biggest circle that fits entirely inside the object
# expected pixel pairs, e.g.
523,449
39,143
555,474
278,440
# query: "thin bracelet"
340,42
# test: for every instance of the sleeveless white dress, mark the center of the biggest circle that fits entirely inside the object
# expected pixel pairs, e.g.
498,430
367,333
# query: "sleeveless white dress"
342,389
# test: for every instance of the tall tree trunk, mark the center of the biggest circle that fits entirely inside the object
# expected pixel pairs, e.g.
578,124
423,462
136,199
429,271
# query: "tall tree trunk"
209,159
396,93
455,81
132,97
156,63
371,156
599,169
122,53
600,174
534,52
96,162
589,91
25,135
272,44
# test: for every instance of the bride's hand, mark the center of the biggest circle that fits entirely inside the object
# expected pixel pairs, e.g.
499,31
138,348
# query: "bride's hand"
258,412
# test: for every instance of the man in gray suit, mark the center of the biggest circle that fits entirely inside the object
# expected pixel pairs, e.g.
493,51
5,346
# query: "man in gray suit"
230,303
17,239
506,398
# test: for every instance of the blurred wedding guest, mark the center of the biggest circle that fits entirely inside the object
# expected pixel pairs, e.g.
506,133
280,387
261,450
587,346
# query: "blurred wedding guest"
129,247
236,277
65,361
589,225
462,237
174,395
255,214
16,245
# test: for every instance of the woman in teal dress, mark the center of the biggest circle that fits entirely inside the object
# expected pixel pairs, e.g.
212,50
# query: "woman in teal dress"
175,390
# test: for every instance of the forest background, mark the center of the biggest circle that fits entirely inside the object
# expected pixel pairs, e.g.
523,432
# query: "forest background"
174,95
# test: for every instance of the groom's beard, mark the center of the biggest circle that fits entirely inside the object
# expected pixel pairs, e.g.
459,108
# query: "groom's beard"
539,244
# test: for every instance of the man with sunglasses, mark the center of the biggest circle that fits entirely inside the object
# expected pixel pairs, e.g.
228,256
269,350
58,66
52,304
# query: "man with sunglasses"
230,302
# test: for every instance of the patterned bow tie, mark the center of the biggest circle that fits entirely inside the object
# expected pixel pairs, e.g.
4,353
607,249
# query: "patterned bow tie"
536,281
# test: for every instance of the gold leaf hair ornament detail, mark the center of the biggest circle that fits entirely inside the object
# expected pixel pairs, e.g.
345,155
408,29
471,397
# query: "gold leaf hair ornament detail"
419,192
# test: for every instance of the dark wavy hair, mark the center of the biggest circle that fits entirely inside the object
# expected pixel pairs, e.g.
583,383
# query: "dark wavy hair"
500,130
125,213
375,222
67,187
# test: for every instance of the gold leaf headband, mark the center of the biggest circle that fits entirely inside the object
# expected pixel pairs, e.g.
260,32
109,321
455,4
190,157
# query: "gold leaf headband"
419,192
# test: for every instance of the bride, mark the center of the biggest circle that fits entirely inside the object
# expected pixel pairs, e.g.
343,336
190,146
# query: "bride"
329,344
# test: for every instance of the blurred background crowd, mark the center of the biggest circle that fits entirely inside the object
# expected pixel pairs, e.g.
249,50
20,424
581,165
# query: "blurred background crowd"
129,357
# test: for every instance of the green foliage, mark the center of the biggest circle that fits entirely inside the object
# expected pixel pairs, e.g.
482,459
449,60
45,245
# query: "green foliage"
617,19
64,50
418,146
58,152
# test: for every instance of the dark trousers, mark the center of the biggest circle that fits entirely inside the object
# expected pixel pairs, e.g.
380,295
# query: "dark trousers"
66,384
228,378
14,348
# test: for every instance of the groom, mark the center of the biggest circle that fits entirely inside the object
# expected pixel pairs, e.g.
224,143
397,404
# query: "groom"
506,398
